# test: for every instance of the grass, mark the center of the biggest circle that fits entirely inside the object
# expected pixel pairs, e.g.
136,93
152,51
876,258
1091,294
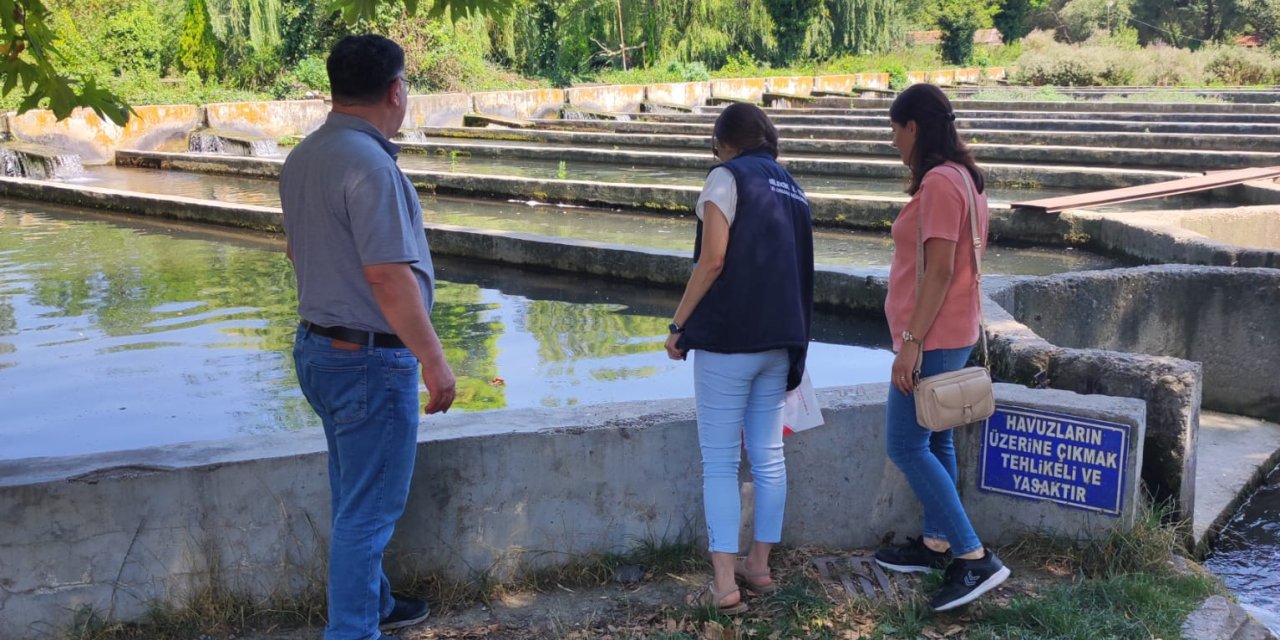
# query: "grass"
1119,585
1137,606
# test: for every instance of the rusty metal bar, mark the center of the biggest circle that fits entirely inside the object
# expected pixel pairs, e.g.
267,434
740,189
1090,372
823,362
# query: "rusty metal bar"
1211,180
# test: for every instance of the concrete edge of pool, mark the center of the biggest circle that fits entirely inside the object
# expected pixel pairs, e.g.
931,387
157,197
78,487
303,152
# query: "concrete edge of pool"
495,493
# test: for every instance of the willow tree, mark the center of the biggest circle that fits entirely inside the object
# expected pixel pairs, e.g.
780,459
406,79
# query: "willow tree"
862,26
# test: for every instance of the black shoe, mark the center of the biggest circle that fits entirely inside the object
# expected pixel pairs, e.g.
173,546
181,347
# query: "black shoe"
406,613
912,557
966,580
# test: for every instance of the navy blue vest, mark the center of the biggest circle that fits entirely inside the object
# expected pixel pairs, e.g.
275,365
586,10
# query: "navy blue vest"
763,299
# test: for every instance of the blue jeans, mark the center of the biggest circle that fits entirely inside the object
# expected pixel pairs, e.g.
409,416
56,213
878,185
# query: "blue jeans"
367,399
739,393
928,458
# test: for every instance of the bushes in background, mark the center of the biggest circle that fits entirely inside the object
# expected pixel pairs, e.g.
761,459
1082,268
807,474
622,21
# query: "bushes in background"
1112,61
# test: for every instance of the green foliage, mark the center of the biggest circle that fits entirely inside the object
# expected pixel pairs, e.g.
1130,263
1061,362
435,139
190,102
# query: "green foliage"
197,48
1081,19
958,20
1189,23
30,60
1012,18
1236,66
354,11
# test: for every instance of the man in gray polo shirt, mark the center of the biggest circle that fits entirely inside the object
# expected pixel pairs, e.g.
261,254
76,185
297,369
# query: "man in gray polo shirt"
355,235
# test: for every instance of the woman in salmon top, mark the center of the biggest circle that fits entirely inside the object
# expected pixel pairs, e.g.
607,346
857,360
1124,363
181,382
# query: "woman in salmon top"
942,320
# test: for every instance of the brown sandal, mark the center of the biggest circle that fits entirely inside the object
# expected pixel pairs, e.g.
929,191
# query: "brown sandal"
699,599
740,571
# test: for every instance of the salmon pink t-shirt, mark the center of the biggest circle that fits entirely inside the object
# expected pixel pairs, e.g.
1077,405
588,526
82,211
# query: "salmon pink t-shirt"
942,200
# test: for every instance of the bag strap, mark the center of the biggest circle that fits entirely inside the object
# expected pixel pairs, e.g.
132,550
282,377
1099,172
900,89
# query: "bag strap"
972,211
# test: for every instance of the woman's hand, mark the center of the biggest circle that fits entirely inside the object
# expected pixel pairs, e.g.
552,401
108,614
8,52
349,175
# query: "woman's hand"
904,368
674,352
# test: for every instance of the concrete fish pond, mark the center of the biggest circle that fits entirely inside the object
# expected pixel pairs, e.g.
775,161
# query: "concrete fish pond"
146,312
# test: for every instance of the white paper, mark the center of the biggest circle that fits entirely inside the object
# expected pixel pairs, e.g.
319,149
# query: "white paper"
801,410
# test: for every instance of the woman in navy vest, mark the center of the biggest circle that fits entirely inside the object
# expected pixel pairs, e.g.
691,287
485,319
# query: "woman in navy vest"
745,313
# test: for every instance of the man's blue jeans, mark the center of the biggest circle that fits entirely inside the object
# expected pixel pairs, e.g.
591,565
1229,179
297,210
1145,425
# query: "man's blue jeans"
739,398
928,458
367,399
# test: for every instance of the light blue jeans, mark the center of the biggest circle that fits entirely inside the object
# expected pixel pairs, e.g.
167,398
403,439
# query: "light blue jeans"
928,458
368,401
736,394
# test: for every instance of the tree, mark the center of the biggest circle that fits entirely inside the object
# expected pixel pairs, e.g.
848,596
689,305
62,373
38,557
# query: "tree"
1012,17
959,20
1187,23
862,26
197,48
29,58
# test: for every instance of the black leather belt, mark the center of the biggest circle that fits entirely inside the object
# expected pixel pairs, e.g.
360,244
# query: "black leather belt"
356,336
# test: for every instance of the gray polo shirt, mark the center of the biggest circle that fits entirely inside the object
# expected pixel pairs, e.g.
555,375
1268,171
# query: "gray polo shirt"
346,205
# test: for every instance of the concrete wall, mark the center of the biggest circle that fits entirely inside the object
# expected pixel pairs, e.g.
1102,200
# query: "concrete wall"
1171,387
689,94
1221,317
620,98
95,138
846,83
273,119
438,110
1174,237
739,88
793,85
494,494
534,103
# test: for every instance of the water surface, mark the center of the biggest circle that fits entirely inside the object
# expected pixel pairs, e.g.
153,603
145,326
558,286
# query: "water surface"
117,333
833,247
1247,554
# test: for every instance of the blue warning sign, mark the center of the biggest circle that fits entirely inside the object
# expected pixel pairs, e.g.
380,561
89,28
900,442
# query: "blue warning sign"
1042,455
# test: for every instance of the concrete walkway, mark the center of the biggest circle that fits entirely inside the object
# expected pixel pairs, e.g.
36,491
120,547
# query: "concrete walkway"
1231,453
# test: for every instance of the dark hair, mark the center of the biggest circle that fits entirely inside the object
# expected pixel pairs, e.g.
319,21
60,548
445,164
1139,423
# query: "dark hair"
362,68
746,127
937,140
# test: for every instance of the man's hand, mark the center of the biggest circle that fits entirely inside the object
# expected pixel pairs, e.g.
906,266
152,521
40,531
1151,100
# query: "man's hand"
441,385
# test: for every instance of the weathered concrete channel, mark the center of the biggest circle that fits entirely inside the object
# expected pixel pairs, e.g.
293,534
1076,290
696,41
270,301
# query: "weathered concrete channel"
1164,340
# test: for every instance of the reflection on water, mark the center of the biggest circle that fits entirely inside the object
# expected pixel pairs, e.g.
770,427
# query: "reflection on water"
840,248
117,333
1247,554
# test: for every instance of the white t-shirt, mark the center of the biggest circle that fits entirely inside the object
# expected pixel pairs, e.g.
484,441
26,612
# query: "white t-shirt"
721,189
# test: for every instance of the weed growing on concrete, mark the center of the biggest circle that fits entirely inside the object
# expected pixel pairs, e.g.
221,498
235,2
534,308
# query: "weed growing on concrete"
209,610
1147,548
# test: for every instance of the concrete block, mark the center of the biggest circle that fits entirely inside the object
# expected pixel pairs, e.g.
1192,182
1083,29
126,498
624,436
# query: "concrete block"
610,98
523,105
689,94
438,110
793,85
272,119
750,89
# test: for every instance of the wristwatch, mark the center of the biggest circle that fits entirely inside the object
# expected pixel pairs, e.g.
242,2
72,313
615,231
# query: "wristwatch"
907,337
675,328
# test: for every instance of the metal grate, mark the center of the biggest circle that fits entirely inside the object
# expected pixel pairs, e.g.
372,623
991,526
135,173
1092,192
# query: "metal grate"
863,578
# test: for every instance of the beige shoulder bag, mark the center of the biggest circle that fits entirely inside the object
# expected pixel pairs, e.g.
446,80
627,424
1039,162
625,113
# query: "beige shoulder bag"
948,400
